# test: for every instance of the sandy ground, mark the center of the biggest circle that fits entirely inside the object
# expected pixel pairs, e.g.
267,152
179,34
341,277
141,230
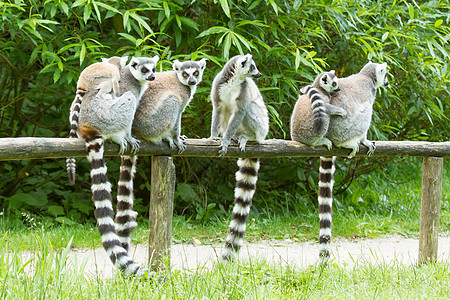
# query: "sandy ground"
389,250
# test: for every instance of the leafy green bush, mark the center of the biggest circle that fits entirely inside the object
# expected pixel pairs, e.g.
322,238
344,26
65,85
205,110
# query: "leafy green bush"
44,45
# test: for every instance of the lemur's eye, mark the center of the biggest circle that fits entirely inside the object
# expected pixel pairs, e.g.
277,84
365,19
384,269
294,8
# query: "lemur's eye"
144,70
154,70
185,74
334,84
252,67
196,73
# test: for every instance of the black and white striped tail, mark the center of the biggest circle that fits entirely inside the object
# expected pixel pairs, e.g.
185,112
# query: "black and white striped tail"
104,213
318,110
73,119
326,181
126,217
246,178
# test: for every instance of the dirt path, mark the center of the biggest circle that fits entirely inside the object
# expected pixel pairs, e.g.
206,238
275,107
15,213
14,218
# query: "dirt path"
389,250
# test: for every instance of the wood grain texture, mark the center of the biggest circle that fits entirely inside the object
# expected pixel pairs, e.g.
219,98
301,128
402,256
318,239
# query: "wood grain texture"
430,210
161,210
38,148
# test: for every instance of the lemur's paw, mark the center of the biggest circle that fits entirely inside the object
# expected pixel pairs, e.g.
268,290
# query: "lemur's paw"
214,138
223,150
181,146
372,148
123,147
354,151
135,145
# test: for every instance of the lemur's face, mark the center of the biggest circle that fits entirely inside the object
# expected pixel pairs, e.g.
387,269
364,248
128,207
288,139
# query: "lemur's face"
247,65
381,73
329,82
144,68
190,72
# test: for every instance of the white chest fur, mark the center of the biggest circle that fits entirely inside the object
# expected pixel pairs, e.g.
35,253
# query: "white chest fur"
229,92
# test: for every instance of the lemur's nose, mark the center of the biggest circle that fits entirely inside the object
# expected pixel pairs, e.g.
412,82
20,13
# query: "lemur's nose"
257,75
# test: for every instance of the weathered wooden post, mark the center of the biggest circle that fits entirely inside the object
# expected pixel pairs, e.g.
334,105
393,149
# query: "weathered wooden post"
432,169
161,210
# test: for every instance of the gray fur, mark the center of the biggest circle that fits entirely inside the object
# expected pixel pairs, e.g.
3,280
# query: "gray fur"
311,115
102,76
158,116
238,107
113,116
356,97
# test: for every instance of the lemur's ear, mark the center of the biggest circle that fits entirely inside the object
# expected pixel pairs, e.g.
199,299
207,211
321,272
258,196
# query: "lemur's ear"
133,63
244,62
155,59
304,89
176,65
123,61
333,72
202,63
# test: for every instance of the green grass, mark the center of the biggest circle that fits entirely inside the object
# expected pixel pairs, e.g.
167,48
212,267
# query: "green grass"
49,276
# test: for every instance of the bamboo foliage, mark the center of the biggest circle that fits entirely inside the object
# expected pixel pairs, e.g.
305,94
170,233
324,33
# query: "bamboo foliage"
44,45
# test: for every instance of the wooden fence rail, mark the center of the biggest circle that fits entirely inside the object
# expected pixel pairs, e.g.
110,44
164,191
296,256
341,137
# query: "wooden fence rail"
163,175
36,148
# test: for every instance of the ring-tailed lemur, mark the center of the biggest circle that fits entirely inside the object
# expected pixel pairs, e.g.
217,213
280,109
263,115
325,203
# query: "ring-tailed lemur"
102,119
239,112
158,117
311,115
356,97
104,76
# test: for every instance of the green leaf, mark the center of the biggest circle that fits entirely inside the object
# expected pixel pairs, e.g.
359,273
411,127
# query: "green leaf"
177,18
56,75
78,3
60,65
438,23
65,8
166,9
297,59
97,12
190,23
87,13
56,210
186,192
141,21
126,24
128,37
225,8
65,221
411,11
22,198
274,6
108,7
213,30
227,46
82,53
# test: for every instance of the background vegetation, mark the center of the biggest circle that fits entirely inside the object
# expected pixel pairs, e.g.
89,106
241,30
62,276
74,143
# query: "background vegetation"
44,45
